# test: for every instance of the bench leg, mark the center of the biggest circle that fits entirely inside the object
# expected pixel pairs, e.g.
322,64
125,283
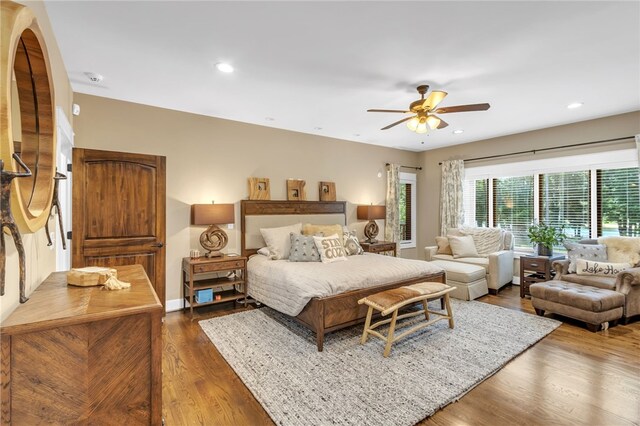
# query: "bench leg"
392,328
367,324
425,306
447,302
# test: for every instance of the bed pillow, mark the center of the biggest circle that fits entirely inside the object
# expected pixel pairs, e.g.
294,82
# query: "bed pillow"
264,251
577,251
603,269
463,247
443,245
278,240
351,244
330,248
326,230
303,249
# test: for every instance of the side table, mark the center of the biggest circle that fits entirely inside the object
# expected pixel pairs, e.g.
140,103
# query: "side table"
379,247
535,269
194,279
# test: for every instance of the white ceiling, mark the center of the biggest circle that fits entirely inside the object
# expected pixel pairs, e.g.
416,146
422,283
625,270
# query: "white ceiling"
311,65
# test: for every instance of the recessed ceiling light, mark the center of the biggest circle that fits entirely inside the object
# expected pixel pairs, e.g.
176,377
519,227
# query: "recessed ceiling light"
575,105
270,119
223,67
93,77
457,132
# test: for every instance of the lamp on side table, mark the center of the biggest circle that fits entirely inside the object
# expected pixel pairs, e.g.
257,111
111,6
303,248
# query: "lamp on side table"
371,213
213,239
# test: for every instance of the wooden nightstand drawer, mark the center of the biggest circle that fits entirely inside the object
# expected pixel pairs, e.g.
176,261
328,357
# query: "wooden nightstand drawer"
218,266
534,264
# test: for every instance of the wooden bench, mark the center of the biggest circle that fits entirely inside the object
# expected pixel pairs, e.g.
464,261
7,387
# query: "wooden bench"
390,301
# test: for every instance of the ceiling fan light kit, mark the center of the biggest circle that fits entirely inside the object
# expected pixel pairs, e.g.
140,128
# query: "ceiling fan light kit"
425,109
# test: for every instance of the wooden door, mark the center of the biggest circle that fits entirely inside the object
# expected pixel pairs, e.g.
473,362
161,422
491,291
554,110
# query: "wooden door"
119,212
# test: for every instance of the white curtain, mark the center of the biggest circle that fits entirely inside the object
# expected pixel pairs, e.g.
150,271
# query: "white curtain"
451,204
392,221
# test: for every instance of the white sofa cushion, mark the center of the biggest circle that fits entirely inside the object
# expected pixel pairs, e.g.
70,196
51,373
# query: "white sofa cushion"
463,246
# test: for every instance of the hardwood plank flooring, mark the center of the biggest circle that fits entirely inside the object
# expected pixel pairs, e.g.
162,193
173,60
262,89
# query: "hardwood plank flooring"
571,377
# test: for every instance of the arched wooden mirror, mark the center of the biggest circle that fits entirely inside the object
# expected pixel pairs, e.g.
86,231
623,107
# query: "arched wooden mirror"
27,116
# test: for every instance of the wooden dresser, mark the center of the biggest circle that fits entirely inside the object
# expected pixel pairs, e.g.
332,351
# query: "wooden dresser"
83,355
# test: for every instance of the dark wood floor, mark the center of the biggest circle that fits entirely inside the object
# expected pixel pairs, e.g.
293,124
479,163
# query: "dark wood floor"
571,377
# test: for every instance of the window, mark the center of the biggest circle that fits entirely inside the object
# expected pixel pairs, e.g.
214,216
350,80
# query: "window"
565,200
513,206
407,210
590,195
618,202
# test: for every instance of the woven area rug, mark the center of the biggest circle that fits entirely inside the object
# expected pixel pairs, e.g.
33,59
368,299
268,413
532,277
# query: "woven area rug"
351,384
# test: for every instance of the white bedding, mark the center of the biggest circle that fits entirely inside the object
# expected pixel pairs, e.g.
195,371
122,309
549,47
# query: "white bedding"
288,286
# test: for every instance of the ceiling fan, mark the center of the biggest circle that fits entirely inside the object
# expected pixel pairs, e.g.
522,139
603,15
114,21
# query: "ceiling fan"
425,109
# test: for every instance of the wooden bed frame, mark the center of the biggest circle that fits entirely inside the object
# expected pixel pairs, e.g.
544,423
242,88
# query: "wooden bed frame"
326,314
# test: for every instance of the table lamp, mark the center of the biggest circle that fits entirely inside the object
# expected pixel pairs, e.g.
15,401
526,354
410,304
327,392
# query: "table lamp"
213,239
371,213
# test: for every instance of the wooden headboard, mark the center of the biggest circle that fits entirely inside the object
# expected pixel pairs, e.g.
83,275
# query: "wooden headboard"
256,214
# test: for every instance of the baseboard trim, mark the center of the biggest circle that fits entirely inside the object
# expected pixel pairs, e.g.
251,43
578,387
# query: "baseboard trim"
173,305
516,281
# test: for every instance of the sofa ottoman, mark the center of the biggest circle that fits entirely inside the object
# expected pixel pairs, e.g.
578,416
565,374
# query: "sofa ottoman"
470,281
595,306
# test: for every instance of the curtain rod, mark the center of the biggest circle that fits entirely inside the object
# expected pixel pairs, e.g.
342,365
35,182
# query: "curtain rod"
406,167
534,151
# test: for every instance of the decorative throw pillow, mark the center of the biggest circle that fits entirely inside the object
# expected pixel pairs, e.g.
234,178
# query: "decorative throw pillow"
278,240
264,251
577,251
604,269
303,249
443,245
486,240
330,248
463,247
622,249
351,244
326,230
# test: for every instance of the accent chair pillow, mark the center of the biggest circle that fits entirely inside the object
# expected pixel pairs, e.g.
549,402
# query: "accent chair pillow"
326,230
303,249
351,244
330,248
603,269
278,240
443,245
463,247
577,251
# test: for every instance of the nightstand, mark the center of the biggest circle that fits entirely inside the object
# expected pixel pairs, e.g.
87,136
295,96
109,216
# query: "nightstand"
224,276
535,269
380,247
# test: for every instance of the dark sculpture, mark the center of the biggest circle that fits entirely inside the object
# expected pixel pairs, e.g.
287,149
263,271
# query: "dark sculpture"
56,203
7,220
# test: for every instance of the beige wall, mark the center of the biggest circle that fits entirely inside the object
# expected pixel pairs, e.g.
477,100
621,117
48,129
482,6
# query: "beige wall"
429,180
40,259
211,159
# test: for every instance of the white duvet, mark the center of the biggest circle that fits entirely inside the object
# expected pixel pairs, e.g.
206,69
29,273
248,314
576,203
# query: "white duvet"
288,286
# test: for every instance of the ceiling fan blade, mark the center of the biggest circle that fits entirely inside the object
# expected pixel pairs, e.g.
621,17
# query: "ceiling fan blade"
433,100
463,108
387,110
442,124
397,122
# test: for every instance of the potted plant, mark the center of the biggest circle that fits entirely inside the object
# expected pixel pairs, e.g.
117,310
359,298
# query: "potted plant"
545,237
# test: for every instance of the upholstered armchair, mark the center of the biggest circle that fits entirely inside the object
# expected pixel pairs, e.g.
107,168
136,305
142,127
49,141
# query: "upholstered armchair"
494,248
626,282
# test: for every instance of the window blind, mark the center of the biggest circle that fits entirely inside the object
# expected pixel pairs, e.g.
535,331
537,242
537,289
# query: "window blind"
406,220
476,202
565,201
513,206
618,202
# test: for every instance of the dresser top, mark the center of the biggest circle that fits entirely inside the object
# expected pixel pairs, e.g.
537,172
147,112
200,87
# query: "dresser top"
54,303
